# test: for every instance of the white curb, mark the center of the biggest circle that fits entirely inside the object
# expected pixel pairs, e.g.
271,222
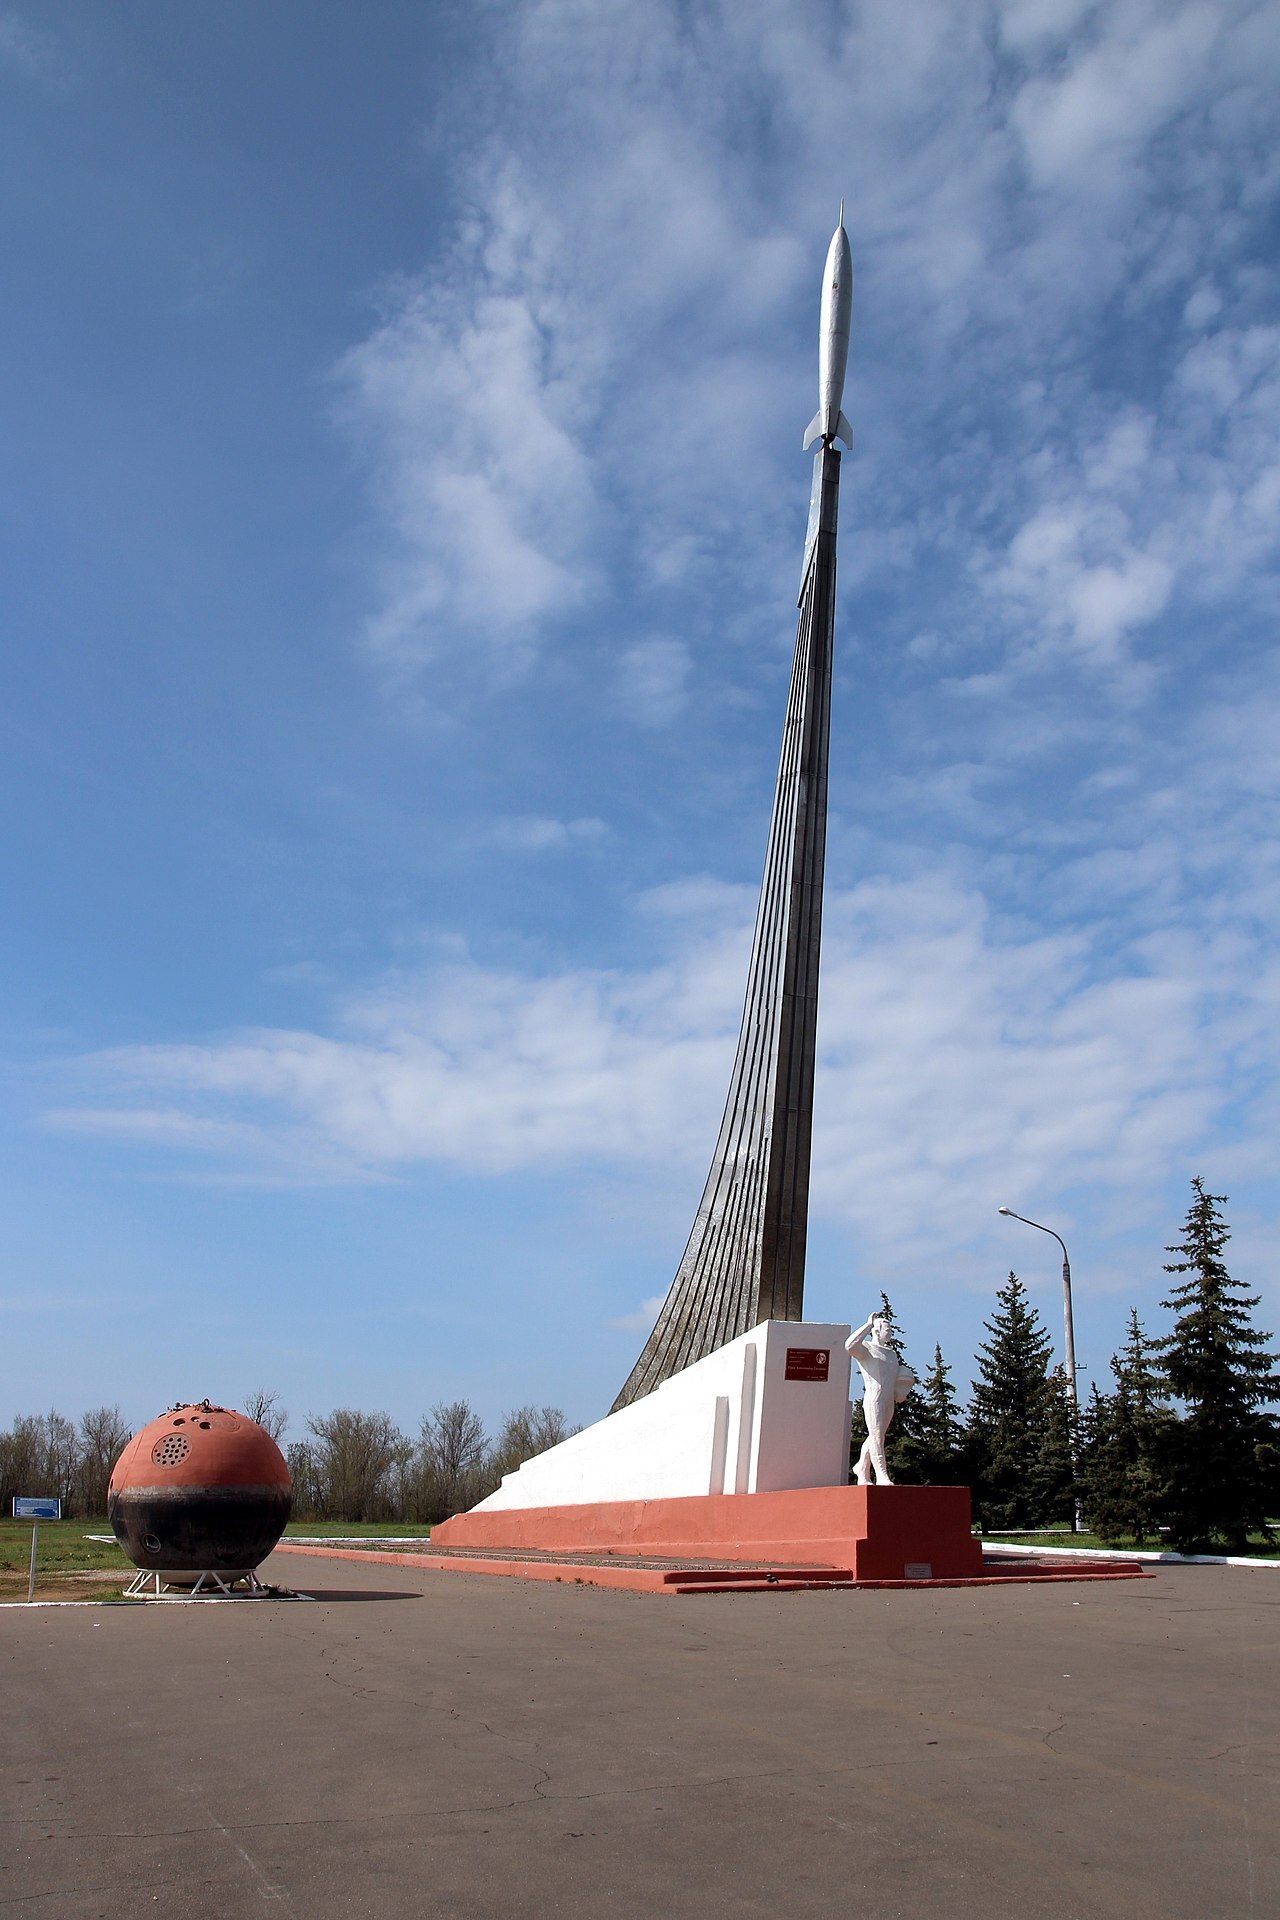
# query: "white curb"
1133,1553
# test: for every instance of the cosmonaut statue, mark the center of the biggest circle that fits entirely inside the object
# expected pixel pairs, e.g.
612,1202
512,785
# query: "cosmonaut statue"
885,1384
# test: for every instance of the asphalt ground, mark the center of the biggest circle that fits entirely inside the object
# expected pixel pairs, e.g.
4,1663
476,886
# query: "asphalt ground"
450,1744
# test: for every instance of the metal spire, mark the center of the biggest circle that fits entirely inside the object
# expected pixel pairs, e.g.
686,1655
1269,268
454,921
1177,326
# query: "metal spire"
744,1261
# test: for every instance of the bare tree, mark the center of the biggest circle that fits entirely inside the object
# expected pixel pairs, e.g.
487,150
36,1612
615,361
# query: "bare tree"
104,1435
40,1454
23,1459
61,1455
359,1461
525,1432
264,1407
304,1478
451,1448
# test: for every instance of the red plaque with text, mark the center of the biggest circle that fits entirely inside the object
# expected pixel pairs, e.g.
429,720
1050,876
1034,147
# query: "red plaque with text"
807,1363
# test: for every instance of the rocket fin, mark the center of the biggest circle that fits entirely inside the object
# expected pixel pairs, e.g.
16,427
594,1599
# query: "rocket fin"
814,430
843,432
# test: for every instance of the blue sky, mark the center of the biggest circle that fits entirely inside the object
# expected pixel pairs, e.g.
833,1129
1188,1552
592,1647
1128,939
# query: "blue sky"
402,506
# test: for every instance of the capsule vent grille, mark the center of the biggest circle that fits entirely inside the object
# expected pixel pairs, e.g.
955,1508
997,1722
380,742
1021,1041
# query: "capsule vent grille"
172,1449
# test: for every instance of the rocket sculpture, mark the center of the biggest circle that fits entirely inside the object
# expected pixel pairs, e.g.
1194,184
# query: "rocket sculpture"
828,423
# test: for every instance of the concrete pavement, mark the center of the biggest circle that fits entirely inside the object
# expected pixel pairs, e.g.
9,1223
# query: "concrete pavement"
446,1744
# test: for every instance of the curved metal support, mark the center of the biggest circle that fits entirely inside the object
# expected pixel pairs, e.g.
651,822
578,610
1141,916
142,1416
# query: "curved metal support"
744,1261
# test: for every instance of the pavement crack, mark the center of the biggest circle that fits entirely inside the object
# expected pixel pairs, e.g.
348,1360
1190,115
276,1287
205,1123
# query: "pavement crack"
519,1740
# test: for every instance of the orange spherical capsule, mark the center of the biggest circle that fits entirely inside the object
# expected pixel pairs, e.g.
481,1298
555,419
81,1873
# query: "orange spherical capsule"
201,1488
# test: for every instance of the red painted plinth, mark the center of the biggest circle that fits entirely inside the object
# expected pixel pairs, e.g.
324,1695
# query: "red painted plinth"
881,1533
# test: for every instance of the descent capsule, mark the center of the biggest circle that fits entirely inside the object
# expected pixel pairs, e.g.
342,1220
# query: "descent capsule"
202,1489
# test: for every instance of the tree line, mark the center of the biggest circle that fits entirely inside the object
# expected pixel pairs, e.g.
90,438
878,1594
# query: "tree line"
360,1466
1183,1446
47,1454
351,1465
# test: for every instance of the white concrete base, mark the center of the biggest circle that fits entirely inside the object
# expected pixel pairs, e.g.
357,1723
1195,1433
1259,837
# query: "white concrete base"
732,1423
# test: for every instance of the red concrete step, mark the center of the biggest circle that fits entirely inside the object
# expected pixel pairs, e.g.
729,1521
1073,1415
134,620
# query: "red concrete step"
786,1582
885,1533
731,1579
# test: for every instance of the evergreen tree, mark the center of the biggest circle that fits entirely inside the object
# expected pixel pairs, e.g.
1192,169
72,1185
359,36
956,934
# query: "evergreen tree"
1126,1442
1053,1485
1017,1433
1220,1456
1094,1417
931,1452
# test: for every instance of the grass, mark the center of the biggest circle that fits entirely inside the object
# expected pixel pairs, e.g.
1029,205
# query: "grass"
63,1548
71,1566
68,1566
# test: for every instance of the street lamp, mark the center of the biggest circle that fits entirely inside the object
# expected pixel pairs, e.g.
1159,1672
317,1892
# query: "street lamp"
1070,1342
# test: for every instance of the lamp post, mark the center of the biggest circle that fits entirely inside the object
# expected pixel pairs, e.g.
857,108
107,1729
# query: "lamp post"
1069,1332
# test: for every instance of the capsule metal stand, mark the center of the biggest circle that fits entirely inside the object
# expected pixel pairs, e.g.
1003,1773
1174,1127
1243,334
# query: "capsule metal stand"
209,1585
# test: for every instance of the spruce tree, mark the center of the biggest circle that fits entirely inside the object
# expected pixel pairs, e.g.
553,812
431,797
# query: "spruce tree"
1053,1485
1095,1416
931,1453
1220,1455
1010,1439
1126,1443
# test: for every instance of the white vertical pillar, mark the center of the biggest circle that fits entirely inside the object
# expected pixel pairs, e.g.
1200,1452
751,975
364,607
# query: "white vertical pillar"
746,1420
719,1444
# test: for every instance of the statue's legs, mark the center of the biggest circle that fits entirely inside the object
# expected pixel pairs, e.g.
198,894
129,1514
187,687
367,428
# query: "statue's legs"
877,1417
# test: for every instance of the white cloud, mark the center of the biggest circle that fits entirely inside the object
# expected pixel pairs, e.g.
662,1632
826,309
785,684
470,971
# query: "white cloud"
652,684
152,1126
699,899
230,1152
594,394
1105,102
642,1320
1029,24
1204,306
1131,516
535,833
520,403
1076,571
959,1056
957,1062
581,419
469,402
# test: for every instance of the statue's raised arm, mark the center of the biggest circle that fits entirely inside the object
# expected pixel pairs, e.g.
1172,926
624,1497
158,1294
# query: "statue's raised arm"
855,1344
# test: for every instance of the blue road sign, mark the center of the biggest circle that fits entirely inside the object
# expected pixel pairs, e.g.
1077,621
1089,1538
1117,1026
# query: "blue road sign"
30,1507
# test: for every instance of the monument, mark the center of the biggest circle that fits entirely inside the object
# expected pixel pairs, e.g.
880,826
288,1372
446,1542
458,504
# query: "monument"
730,1435
744,1261
885,1385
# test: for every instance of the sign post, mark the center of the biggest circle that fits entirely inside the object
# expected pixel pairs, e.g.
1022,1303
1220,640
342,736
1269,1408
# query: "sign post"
35,1509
